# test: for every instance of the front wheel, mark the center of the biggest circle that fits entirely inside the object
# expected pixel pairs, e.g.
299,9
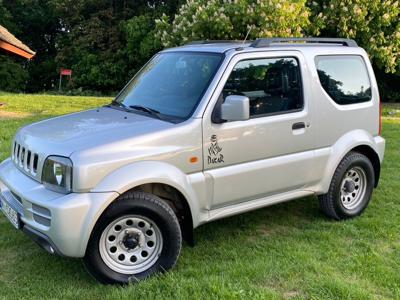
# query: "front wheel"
137,236
350,189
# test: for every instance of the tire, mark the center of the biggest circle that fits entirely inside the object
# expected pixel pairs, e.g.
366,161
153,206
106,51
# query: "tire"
142,228
350,189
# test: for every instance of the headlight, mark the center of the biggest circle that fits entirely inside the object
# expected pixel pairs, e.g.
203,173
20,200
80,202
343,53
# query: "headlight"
57,174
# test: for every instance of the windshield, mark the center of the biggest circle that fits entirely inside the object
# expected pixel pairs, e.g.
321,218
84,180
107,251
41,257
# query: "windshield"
171,84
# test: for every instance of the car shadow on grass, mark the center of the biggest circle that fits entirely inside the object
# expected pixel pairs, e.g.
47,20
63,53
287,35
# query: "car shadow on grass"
298,214
267,222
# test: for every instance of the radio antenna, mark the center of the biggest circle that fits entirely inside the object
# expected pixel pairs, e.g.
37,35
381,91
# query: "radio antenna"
248,32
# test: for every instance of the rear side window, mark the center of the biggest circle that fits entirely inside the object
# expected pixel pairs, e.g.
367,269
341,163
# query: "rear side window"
344,78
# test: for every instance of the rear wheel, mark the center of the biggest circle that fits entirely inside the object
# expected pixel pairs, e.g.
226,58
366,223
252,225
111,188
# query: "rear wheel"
137,236
351,187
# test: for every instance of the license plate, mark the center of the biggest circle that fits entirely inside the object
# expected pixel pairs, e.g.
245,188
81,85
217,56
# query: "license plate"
10,213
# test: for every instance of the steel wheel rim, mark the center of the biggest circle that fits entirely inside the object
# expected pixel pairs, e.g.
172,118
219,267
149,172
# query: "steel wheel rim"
119,237
353,187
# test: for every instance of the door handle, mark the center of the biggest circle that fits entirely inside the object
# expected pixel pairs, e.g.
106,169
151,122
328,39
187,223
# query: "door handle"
299,125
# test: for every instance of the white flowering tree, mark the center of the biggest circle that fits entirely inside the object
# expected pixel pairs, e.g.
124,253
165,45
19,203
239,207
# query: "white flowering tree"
232,19
374,24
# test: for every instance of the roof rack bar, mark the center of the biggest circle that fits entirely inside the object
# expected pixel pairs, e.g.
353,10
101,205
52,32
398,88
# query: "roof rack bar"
266,42
212,42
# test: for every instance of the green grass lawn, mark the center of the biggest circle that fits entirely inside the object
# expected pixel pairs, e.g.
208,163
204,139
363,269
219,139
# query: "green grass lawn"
287,251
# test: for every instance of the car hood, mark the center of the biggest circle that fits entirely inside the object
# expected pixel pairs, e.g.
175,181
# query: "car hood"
65,134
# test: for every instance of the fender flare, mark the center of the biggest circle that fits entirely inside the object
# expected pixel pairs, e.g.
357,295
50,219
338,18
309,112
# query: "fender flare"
338,151
144,172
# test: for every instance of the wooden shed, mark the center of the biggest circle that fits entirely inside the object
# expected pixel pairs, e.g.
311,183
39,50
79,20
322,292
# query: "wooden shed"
10,43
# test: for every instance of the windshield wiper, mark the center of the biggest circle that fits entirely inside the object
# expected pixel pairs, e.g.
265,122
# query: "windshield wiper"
117,104
145,109
149,110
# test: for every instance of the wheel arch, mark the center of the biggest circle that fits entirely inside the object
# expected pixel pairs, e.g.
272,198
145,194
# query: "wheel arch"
356,140
163,180
371,154
177,201
173,197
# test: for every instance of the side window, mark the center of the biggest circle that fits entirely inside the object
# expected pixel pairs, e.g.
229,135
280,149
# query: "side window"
273,85
344,78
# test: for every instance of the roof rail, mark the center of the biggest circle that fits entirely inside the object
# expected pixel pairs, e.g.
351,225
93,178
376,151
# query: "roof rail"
266,42
212,42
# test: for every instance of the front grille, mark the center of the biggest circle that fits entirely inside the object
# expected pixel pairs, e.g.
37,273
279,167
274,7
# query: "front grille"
25,159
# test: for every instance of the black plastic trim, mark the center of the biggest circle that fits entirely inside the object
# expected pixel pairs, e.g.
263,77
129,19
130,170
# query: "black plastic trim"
298,125
42,240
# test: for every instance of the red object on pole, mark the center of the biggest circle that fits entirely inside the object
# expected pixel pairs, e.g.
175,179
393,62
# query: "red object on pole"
66,72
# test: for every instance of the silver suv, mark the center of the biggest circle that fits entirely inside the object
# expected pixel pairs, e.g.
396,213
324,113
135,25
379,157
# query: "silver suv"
202,132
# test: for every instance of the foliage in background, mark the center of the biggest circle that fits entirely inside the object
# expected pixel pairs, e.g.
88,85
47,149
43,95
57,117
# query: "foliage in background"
230,20
13,76
6,18
97,39
140,42
92,44
36,23
389,86
105,42
374,24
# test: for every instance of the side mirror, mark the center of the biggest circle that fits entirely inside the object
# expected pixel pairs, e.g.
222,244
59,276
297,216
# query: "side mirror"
235,108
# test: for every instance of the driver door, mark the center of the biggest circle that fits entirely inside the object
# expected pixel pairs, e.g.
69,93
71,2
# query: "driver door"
272,152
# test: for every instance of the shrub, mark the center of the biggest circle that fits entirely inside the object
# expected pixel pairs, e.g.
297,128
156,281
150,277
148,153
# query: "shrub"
13,76
374,24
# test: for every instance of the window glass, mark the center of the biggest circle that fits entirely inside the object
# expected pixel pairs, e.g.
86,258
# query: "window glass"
273,85
172,83
344,78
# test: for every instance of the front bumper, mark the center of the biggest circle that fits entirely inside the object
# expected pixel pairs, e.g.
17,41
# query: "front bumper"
61,221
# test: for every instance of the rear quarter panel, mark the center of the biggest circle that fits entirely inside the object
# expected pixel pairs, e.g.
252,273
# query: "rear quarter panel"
334,120
340,128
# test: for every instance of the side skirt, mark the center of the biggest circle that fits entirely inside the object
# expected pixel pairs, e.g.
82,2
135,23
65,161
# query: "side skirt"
246,206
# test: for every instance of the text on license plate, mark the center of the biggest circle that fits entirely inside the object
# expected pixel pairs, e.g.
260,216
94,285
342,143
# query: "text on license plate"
10,213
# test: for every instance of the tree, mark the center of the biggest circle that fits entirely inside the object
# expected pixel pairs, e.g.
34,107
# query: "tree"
36,24
106,42
140,31
13,76
374,24
6,18
232,19
140,42
91,43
